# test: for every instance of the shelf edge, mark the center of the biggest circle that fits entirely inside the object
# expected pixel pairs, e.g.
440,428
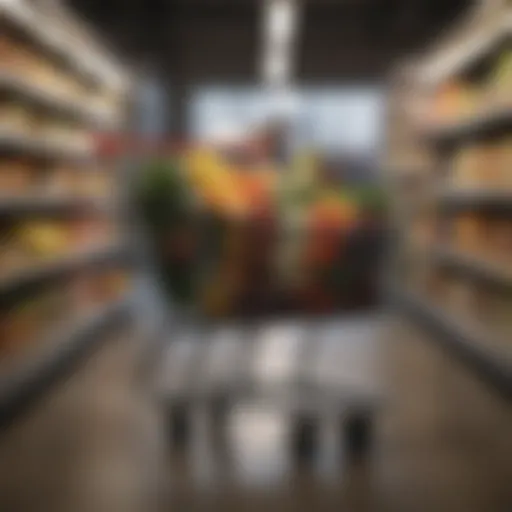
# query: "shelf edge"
22,387
493,369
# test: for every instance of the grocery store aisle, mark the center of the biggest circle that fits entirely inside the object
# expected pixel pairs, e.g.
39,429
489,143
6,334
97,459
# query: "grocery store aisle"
98,443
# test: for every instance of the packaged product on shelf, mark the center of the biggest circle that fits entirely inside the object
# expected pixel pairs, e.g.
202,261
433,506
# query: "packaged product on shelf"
466,167
454,101
68,180
67,86
90,232
470,233
96,184
15,58
77,88
470,100
107,100
80,138
500,241
57,181
49,76
57,131
16,177
6,52
71,180
490,169
14,118
44,239
38,123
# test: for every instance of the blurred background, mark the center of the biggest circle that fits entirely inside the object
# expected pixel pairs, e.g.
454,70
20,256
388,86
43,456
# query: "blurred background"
255,253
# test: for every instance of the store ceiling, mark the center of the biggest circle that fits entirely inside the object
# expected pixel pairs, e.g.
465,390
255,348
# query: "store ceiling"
220,40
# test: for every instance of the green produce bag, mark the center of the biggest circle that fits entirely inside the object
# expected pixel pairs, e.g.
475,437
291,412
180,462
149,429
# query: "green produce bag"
167,208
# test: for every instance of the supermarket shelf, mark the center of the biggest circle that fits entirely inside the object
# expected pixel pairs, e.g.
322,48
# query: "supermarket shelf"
476,199
493,367
482,125
495,275
40,147
54,100
62,267
23,382
23,206
450,62
58,40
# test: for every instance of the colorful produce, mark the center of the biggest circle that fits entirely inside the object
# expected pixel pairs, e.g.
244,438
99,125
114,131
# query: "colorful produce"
237,236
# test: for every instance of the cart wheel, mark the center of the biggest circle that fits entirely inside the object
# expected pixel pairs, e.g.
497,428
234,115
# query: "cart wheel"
304,437
179,424
357,433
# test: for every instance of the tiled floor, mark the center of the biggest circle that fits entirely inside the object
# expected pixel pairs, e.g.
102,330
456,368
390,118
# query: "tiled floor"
98,443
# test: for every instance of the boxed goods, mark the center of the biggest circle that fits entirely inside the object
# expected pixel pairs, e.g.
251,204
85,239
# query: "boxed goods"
481,166
454,101
470,233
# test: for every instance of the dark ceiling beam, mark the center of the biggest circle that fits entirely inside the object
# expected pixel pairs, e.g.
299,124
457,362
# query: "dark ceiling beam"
213,12
221,39
122,32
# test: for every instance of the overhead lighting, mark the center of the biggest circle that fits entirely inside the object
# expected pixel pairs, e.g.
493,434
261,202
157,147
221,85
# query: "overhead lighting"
280,25
281,20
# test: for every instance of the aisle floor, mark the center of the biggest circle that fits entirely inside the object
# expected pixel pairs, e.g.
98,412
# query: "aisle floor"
99,443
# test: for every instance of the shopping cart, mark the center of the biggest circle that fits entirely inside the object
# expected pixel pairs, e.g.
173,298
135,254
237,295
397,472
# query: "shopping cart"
278,366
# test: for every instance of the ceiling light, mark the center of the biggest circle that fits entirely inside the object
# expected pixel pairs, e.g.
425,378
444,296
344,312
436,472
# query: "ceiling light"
281,19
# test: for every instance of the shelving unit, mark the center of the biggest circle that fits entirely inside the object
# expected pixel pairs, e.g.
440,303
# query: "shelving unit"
54,38
64,256
471,41
479,125
62,267
29,377
34,205
461,338
33,93
495,275
477,199
457,282
43,147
